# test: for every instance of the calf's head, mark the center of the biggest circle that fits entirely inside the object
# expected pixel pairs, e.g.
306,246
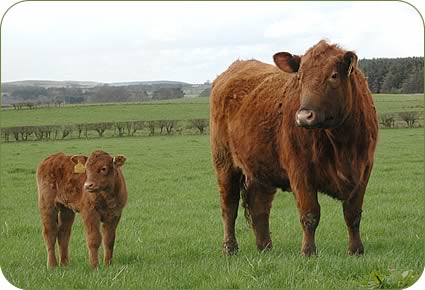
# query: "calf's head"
101,171
323,74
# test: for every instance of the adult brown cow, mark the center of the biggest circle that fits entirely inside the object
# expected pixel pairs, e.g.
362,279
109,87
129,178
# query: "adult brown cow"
312,127
94,186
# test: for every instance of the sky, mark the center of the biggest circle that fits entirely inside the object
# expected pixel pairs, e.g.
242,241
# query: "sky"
190,41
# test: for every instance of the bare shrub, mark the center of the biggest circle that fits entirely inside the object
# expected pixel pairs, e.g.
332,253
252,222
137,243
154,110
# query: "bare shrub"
409,117
387,120
199,124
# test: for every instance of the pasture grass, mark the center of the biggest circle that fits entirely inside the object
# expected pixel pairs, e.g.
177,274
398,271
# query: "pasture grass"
393,103
170,233
179,109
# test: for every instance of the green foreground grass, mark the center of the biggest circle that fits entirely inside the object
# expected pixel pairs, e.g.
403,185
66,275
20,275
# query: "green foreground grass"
180,109
170,234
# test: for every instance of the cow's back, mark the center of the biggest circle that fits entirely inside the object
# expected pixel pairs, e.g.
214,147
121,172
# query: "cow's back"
231,87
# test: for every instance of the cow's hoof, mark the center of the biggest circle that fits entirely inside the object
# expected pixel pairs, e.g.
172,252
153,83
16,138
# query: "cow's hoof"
356,250
308,251
230,248
265,247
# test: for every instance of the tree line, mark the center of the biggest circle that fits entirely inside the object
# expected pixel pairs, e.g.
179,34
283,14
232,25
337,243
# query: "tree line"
385,75
32,96
394,75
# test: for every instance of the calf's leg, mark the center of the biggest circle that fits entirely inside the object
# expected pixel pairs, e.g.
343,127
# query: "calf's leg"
49,216
66,219
229,182
91,222
108,239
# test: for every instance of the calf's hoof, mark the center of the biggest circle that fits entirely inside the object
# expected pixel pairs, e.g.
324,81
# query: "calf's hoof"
52,264
230,248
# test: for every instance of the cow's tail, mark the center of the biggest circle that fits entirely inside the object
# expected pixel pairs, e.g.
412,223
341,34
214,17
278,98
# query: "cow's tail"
245,200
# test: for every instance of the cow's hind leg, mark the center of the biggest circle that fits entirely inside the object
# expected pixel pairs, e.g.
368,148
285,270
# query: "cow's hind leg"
259,204
49,217
108,239
229,182
66,219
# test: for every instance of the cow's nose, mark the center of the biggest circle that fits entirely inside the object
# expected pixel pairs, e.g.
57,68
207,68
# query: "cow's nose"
305,118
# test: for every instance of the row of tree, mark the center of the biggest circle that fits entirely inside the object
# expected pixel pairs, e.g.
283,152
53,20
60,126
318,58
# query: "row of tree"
119,129
394,75
30,96
410,119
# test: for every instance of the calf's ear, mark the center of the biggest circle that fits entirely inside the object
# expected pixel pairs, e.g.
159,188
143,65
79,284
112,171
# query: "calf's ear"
79,158
119,160
287,62
350,62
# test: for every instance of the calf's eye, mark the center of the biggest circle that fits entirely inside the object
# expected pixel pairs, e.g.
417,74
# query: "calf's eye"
103,169
334,75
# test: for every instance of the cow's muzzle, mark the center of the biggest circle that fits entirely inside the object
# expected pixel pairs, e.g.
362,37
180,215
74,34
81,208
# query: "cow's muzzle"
307,118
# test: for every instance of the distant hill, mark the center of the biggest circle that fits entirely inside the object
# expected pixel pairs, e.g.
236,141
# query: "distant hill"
148,83
88,84
45,92
52,84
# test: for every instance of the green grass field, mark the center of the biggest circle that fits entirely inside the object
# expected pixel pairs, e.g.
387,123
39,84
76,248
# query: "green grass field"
180,109
170,234
390,103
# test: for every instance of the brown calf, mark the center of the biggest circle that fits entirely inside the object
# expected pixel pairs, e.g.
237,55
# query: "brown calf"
307,125
94,186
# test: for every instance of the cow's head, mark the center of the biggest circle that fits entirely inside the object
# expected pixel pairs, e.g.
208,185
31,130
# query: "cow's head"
323,73
101,170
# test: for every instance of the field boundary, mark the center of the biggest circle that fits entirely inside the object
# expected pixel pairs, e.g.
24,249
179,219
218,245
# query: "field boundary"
104,129
408,119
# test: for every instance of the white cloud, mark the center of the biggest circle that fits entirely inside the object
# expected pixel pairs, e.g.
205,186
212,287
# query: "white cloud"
190,41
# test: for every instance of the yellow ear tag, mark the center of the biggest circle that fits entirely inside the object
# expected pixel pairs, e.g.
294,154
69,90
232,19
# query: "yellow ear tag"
79,167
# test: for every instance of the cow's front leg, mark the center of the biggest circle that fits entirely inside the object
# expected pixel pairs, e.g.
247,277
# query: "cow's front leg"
309,209
352,215
91,222
108,238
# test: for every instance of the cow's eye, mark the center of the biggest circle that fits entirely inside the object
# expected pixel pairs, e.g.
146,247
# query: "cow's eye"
334,75
104,169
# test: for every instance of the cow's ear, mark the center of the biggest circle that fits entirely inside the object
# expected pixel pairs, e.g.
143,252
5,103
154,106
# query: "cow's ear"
350,62
79,158
119,160
287,62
